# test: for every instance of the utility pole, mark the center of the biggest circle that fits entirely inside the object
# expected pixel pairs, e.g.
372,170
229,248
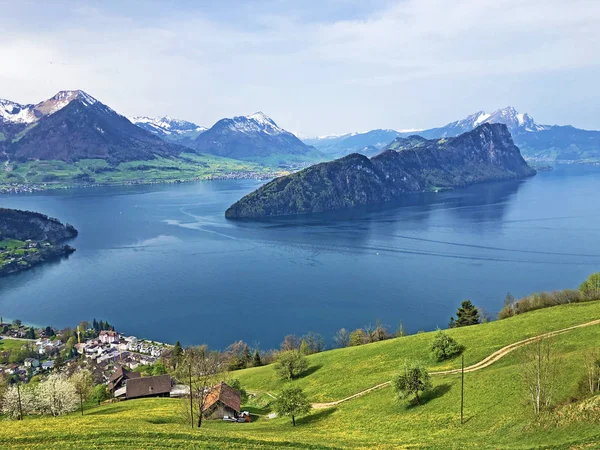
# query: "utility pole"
191,398
462,390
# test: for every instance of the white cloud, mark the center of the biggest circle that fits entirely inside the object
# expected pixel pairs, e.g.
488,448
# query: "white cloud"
414,63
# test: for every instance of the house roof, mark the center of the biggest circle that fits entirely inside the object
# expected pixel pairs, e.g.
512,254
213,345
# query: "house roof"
146,386
225,394
121,374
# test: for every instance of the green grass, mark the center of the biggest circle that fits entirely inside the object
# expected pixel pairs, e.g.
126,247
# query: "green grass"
185,167
376,363
10,244
495,412
7,344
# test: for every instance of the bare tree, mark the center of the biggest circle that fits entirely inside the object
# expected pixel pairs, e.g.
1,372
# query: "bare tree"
592,367
201,370
342,338
539,369
290,342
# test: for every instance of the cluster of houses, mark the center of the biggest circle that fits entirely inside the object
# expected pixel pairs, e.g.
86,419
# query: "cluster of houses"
111,347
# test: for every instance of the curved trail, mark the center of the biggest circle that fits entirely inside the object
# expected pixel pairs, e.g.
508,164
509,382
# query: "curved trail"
497,355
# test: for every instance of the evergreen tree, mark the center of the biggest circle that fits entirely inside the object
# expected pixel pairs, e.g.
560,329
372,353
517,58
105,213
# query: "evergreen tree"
176,355
304,348
246,356
467,314
256,361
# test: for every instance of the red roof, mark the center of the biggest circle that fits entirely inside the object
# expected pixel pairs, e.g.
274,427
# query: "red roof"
225,394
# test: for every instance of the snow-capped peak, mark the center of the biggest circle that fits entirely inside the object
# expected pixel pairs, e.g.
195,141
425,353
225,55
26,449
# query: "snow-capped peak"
62,99
166,124
12,112
258,122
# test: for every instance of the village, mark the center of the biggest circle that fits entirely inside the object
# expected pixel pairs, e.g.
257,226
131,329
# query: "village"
129,367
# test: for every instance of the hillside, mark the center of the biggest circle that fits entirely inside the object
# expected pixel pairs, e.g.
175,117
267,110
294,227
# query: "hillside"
407,166
496,415
29,238
73,125
254,138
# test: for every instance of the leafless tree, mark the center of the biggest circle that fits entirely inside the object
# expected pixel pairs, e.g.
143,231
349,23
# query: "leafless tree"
200,370
290,342
342,338
592,368
539,369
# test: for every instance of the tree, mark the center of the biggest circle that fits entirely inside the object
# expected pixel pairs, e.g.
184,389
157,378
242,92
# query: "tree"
17,322
358,337
176,355
30,333
413,379
590,288
100,393
48,331
401,331
291,364
83,384
290,342
445,347
292,401
246,356
314,342
592,367
16,401
238,355
256,360
304,348
159,368
237,385
201,370
380,333
342,338
539,371
57,395
467,314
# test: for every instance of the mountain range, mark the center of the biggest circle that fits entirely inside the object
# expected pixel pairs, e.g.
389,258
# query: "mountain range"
174,130
545,142
72,126
407,165
253,138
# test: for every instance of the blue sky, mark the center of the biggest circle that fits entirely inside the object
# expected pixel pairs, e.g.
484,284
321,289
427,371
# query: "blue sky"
316,67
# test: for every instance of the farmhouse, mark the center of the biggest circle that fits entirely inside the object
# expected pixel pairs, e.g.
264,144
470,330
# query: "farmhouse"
158,386
222,401
117,379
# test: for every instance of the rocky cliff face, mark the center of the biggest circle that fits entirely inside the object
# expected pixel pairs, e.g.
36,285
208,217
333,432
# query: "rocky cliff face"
23,225
408,165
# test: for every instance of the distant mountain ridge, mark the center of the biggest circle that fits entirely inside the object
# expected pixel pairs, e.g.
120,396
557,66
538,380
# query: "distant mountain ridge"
254,138
408,165
537,141
174,130
71,126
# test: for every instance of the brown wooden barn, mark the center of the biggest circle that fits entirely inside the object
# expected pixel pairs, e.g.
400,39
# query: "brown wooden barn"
158,386
223,400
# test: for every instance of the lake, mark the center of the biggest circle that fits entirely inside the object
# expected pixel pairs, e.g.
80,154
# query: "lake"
162,262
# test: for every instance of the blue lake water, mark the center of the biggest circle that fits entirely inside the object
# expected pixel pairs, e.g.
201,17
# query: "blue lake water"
162,262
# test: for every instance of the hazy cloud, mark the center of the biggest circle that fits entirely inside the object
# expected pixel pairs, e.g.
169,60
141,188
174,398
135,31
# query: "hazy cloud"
315,67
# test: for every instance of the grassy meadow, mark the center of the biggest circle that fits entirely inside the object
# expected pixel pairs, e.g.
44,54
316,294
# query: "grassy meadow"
185,167
496,414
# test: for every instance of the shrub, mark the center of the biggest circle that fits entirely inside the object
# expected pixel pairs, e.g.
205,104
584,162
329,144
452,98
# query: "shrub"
413,379
291,364
445,347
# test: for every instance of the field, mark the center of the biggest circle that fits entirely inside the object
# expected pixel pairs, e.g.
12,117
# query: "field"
185,167
10,344
496,415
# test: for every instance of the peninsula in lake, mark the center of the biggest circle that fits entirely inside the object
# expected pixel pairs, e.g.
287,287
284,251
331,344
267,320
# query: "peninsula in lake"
407,165
29,238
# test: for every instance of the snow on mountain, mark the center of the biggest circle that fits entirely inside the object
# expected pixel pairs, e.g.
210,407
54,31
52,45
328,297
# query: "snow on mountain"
11,112
166,125
258,122
14,113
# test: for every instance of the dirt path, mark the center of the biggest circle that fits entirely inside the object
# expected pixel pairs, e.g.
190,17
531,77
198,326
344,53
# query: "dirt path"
497,355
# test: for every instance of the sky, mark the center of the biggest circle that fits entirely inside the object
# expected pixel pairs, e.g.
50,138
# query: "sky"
316,67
